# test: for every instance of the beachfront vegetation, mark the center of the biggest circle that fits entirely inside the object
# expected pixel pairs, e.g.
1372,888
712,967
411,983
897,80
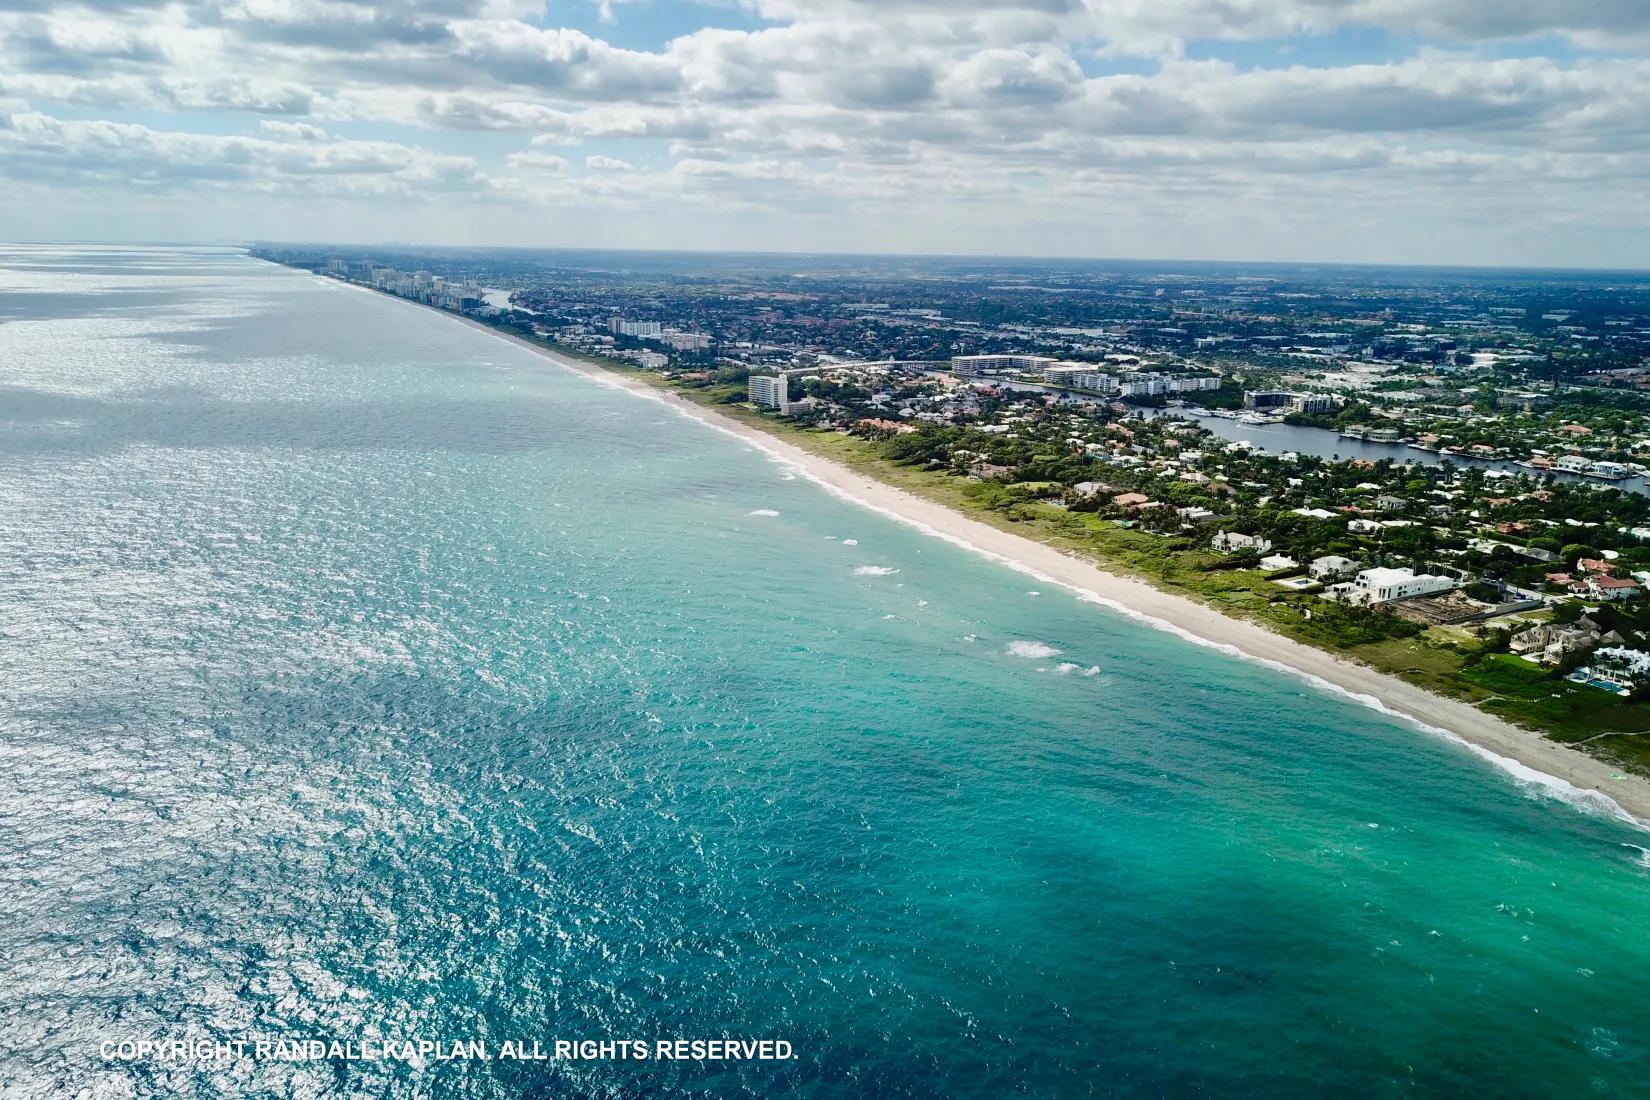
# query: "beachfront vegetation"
1532,574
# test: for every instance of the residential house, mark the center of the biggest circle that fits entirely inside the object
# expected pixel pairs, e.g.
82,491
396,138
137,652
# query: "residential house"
1548,643
1615,668
1332,567
1233,542
1383,585
1603,587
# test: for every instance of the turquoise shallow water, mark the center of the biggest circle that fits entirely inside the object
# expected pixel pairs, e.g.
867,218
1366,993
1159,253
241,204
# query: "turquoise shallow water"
363,675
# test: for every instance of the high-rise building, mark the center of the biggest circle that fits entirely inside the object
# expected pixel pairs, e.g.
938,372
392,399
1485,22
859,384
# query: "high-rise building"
687,341
1142,385
1266,399
1194,383
769,391
1081,376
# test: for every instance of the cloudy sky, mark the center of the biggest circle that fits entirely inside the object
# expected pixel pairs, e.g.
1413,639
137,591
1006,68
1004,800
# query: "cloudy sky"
1425,131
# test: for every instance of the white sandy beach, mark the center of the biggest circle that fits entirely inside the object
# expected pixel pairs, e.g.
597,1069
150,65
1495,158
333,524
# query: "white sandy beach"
1528,756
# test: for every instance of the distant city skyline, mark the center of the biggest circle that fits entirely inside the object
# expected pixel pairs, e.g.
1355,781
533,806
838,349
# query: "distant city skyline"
1164,263
1408,132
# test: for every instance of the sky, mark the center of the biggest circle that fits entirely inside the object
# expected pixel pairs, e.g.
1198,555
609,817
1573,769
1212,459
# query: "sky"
1497,132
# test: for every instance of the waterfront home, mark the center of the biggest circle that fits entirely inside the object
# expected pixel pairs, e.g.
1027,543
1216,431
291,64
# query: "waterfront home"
1548,643
1383,585
1233,542
1615,668
1278,562
880,424
1332,567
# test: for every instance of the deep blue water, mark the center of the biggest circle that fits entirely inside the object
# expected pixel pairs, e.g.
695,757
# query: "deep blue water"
362,675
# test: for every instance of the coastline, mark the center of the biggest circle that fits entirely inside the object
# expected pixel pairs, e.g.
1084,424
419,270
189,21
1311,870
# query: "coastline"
1528,756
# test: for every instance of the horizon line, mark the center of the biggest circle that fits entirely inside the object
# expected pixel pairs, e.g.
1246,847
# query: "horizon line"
250,243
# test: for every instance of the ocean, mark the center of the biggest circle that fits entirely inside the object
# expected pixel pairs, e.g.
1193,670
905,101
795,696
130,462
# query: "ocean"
364,677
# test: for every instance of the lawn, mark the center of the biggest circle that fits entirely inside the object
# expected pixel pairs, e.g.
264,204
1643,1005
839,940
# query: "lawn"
1521,691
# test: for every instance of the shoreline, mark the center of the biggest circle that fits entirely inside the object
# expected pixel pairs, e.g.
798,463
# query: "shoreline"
1526,755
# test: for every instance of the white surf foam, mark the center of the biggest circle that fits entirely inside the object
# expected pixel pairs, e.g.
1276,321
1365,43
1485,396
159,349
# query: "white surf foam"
1033,650
1531,779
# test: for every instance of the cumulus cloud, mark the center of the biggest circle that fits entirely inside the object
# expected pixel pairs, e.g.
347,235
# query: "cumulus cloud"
884,117
537,162
38,147
295,131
